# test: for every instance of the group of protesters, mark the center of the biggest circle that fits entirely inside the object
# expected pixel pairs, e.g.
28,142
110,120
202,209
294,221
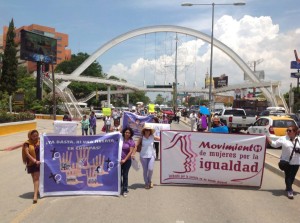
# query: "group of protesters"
199,122
147,153
31,157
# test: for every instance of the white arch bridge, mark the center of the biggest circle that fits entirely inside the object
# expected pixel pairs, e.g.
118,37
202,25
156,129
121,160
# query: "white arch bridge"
269,89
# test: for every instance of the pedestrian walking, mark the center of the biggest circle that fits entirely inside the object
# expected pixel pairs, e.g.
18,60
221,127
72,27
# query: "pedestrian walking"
93,123
85,123
116,127
107,123
291,154
127,149
201,123
193,119
31,158
147,155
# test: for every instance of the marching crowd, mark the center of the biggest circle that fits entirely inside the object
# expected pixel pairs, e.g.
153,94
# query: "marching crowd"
146,146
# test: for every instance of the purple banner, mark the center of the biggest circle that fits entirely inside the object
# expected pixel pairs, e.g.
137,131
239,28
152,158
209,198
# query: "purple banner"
80,164
136,122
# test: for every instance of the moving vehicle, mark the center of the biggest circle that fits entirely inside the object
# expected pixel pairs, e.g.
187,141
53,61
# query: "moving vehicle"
236,119
271,126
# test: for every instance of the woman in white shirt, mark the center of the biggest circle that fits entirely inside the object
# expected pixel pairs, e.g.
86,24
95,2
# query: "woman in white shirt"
287,143
147,154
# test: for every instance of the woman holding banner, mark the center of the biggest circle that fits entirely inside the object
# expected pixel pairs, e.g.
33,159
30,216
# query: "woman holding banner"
147,154
291,153
127,149
31,157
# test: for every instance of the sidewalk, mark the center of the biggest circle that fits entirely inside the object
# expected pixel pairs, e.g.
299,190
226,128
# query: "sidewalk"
271,160
15,141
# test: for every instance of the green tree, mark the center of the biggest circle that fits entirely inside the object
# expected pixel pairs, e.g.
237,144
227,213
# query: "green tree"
10,64
139,96
67,67
159,99
296,106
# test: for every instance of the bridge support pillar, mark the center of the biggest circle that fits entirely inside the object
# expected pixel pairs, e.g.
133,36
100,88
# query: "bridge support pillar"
108,96
127,99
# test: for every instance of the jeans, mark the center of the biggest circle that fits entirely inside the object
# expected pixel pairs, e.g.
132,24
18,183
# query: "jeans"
93,130
290,174
107,128
148,165
84,131
156,146
124,175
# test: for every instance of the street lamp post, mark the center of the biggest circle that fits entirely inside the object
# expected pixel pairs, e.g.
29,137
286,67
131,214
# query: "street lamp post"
211,47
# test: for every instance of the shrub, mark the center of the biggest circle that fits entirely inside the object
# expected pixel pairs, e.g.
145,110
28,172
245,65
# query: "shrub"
15,117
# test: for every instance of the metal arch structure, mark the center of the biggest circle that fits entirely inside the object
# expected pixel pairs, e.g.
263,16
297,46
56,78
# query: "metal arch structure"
177,29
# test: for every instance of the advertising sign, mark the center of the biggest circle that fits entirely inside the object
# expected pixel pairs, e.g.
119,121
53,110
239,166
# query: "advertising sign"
38,48
221,81
209,158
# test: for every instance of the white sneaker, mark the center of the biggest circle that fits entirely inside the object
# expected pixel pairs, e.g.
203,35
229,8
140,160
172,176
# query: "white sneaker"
125,194
290,194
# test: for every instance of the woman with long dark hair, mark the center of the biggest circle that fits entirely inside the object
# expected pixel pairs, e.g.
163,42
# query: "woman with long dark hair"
31,157
127,148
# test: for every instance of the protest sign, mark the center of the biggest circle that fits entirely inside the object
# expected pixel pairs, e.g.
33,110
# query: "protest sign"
106,111
136,122
158,127
80,164
65,127
208,158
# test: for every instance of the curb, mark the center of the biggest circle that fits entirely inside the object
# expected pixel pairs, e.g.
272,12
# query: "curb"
279,172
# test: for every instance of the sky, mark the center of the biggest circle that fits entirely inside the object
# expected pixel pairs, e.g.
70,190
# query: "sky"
263,31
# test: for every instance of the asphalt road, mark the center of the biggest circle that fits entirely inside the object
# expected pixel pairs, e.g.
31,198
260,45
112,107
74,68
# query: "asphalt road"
163,203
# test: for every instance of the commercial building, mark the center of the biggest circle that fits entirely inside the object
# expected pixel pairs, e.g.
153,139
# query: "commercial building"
63,53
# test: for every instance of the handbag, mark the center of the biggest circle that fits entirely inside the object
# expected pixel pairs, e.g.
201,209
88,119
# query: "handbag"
283,164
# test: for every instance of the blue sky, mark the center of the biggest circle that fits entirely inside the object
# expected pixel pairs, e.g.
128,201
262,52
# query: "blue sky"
265,30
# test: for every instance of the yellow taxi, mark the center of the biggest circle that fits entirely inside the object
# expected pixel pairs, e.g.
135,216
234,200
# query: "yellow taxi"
271,126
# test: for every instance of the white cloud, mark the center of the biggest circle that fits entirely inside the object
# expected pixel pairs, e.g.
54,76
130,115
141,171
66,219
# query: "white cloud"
252,38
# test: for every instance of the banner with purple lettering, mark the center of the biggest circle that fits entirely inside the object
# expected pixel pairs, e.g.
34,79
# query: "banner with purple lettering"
208,158
74,165
136,122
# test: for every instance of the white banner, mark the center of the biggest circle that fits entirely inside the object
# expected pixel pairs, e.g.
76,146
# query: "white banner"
158,127
65,127
208,158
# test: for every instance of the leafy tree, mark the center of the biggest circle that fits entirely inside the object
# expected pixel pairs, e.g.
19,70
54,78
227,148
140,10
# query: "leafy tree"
10,64
296,106
159,99
139,96
67,67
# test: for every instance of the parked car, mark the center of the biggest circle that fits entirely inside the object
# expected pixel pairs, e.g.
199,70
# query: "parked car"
98,114
236,119
271,112
271,126
295,117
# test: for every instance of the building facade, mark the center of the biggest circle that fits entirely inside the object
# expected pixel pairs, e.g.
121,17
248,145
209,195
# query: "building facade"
63,53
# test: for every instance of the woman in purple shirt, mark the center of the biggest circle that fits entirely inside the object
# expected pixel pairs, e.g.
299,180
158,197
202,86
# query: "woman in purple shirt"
127,148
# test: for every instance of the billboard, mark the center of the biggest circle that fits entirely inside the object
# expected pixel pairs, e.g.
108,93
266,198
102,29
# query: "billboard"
221,81
38,48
